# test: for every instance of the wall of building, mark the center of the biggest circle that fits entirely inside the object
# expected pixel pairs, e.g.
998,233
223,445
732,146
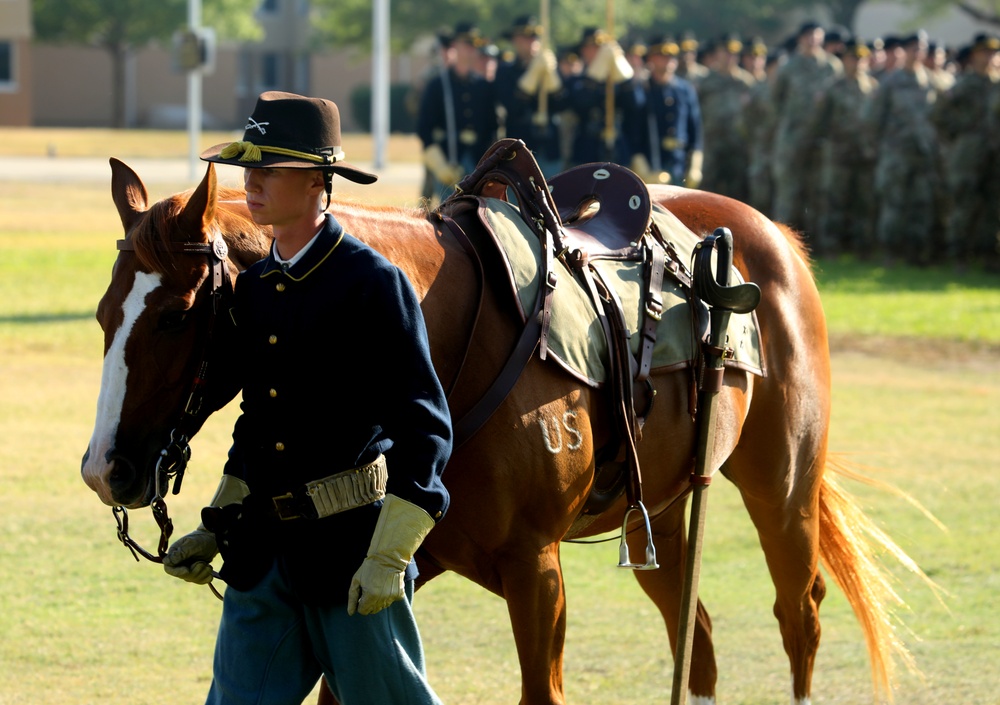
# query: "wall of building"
72,86
15,32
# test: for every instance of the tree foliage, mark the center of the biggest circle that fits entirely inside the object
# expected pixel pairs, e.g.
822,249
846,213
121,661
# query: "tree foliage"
987,11
349,22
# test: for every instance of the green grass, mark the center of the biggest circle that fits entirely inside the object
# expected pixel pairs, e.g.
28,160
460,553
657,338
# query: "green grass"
933,303
81,622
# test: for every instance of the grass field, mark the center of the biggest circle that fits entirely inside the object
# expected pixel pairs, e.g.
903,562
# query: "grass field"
915,398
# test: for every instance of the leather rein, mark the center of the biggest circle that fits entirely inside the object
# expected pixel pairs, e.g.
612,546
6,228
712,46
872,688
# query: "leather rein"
175,455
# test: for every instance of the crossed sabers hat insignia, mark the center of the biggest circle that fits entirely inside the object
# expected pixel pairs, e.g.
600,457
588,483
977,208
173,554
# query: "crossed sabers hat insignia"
253,124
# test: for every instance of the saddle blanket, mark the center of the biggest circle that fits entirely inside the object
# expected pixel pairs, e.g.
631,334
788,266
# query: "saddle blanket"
576,337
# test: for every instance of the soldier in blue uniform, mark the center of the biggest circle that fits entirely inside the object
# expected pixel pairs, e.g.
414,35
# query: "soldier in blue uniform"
530,94
662,121
458,120
334,477
587,96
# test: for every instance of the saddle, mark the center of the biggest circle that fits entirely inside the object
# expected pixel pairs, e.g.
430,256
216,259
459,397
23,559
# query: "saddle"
590,213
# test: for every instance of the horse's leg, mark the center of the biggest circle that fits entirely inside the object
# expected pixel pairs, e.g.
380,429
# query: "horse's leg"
778,468
536,601
664,587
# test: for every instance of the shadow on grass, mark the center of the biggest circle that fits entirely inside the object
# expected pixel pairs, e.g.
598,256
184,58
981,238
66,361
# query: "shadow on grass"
44,318
847,274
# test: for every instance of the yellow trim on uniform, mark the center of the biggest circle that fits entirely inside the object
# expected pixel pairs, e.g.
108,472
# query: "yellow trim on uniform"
313,269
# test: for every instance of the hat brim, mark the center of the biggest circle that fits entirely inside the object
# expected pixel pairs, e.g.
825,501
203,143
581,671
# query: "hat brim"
281,161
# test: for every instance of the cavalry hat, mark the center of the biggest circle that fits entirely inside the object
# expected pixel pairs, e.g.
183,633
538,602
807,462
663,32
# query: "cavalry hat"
469,33
986,42
662,46
290,131
525,26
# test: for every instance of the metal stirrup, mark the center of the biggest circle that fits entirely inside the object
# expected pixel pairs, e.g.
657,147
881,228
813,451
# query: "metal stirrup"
623,558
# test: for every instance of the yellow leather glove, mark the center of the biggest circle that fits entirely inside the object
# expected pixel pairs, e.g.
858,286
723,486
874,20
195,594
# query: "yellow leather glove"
610,61
190,556
541,72
640,165
693,177
447,173
401,528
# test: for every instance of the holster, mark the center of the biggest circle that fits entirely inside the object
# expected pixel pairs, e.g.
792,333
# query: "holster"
245,544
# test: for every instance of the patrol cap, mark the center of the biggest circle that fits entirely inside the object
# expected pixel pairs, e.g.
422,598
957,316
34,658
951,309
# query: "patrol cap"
859,50
985,42
918,37
808,27
731,42
661,45
689,42
290,131
754,46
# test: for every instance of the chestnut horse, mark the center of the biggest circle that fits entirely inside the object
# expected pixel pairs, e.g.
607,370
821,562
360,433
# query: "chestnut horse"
515,494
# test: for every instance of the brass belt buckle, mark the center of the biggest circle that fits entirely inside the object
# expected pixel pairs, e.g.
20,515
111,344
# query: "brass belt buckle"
280,507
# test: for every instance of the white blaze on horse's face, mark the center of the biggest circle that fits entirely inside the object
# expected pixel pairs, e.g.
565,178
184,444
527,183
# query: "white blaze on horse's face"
97,467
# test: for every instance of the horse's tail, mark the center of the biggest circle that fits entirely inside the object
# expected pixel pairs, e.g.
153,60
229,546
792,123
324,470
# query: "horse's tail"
849,545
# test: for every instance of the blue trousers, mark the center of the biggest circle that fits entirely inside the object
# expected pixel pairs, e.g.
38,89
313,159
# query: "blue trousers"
272,650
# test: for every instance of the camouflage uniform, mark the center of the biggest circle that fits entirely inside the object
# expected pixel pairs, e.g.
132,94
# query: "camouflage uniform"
846,204
795,151
761,120
963,119
907,173
724,94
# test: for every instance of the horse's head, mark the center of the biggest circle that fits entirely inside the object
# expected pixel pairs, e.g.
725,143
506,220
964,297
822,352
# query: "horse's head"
156,315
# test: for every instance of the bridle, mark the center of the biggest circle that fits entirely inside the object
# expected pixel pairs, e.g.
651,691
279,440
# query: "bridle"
175,455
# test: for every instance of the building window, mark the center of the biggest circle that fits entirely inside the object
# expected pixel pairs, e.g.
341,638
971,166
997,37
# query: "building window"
8,80
270,71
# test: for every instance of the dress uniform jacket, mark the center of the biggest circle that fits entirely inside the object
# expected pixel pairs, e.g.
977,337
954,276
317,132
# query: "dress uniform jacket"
663,122
473,108
520,111
587,98
338,371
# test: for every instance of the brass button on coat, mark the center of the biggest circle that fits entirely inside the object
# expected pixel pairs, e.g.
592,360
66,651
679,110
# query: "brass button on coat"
272,339
273,393
280,286
279,446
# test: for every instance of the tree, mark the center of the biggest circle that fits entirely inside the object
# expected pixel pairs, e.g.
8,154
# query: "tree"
987,11
121,26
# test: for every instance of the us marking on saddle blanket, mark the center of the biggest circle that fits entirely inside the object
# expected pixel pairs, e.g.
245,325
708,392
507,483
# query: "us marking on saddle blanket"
552,433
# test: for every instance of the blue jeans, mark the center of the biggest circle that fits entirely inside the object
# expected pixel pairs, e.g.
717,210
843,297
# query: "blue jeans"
272,649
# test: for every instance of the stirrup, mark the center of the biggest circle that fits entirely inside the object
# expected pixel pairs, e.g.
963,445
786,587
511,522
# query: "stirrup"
623,559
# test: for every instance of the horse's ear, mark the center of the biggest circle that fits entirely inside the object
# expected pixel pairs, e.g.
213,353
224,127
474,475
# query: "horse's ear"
199,211
128,192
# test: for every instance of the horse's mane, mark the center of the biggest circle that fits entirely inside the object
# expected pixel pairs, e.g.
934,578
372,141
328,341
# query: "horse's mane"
158,227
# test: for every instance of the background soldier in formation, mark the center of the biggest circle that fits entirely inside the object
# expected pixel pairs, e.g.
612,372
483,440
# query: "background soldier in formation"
662,121
897,155
530,94
971,154
458,119
908,171
846,207
795,150
724,94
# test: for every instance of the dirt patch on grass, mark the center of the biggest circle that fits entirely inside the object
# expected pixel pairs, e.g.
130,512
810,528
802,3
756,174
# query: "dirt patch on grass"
919,351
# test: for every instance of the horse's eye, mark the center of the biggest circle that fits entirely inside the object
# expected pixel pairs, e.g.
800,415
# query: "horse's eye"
172,320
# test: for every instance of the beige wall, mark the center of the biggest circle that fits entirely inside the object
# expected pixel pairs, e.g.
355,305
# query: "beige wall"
72,87
15,27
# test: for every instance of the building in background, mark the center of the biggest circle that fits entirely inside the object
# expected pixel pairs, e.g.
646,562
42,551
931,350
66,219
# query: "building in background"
15,63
